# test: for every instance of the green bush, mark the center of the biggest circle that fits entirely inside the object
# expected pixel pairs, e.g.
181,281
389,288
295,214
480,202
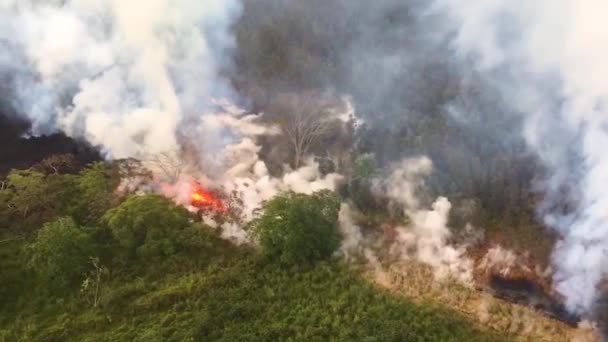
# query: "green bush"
95,193
148,226
60,254
31,199
13,275
299,228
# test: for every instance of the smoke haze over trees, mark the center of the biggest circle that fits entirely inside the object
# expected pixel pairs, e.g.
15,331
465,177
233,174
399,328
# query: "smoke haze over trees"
504,98
414,98
402,81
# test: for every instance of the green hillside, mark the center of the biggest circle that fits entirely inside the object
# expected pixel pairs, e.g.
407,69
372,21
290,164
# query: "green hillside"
88,266
234,296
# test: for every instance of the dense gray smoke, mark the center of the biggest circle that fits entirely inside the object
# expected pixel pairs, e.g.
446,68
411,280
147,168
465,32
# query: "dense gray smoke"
148,79
128,76
405,84
550,58
531,67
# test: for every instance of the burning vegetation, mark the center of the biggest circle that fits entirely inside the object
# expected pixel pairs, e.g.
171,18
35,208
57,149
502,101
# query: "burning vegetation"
206,200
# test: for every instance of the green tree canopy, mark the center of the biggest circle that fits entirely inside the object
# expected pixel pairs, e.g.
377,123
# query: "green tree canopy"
95,189
31,198
148,226
60,253
299,228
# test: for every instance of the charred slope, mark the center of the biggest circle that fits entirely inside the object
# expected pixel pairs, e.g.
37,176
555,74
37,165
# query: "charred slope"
19,152
526,292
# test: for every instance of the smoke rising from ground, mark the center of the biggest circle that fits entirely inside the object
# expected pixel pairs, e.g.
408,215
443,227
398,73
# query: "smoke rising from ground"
539,59
244,178
549,57
426,235
130,77
147,80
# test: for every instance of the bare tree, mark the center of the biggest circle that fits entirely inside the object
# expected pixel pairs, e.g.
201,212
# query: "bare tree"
57,163
93,279
305,120
170,164
132,175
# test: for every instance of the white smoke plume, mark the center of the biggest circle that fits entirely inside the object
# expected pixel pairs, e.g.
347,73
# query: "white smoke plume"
352,237
131,77
244,175
551,58
426,235
143,79
356,246
507,263
500,259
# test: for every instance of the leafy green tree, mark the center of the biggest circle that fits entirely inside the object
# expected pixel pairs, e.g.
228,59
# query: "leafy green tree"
148,226
5,210
95,190
13,273
31,198
60,253
299,228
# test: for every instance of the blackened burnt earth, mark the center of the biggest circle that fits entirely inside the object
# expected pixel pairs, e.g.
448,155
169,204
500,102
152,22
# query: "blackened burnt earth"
18,152
528,293
601,314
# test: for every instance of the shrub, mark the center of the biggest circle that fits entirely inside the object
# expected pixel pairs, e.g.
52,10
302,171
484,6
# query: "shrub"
34,199
60,254
28,199
95,193
298,228
147,226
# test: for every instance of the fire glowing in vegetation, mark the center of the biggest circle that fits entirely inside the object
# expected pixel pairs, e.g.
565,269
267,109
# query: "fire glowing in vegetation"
205,199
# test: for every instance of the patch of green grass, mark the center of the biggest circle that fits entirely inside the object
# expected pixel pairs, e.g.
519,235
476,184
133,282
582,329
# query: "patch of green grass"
237,297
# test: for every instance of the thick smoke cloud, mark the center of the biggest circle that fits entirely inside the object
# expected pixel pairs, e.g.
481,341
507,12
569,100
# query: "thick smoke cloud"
148,79
520,67
549,58
246,177
130,77
395,63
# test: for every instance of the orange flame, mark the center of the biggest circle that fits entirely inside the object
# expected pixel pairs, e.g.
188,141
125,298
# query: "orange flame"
204,199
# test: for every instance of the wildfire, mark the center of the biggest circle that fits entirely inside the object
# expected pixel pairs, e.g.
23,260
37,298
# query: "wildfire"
205,199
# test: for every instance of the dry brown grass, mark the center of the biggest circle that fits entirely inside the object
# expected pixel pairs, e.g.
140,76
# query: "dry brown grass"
416,282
